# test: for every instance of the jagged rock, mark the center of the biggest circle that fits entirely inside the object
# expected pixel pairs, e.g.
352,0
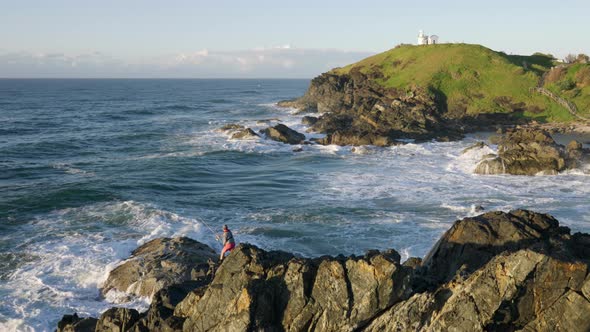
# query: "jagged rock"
284,134
254,289
160,263
527,151
471,242
161,315
73,323
494,272
354,103
246,133
309,120
117,320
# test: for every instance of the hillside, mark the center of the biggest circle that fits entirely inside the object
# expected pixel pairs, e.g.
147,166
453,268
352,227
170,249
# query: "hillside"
472,78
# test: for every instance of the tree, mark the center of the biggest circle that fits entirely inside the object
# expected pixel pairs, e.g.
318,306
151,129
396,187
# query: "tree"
570,58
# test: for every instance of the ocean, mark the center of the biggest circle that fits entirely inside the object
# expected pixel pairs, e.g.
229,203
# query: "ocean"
90,169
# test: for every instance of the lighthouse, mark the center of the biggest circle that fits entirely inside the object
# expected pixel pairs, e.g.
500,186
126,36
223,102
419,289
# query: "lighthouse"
427,40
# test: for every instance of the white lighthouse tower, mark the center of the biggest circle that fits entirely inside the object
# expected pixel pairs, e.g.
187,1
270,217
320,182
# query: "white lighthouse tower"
422,38
426,39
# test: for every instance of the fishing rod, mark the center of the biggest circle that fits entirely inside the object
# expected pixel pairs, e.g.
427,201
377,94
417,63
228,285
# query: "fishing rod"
211,229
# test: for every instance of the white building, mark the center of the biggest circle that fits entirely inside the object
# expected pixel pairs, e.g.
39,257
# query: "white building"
427,40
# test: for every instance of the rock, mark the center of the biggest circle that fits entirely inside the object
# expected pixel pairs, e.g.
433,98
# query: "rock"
494,272
356,139
231,127
471,242
73,323
117,320
298,150
476,146
161,315
526,151
355,102
246,133
309,120
478,208
284,134
258,290
160,263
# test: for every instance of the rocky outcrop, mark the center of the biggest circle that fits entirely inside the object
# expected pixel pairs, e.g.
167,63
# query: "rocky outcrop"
355,105
356,139
159,263
282,133
526,151
309,120
498,271
258,290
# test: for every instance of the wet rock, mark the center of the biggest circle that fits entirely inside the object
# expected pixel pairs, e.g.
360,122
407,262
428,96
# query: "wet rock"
356,139
245,134
527,151
309,120
117,320
160,263
476,146
298,150
284,134
231,127
73,323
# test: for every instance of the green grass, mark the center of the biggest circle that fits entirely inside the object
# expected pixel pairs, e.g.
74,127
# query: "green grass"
572,88
473,78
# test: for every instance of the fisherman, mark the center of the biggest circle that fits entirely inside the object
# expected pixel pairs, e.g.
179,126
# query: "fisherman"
228,242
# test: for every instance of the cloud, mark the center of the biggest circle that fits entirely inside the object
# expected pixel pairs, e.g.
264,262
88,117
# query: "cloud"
275,62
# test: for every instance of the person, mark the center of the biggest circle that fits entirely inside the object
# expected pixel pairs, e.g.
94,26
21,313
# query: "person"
228,242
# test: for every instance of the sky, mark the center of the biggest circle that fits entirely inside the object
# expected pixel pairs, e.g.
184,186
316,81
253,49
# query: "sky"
263,39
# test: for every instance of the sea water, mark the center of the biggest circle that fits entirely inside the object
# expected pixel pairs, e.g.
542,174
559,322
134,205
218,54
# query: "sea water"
90,169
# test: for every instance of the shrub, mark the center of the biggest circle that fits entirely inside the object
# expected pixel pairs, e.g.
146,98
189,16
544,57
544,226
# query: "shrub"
566,84
583,76
555,74
570,58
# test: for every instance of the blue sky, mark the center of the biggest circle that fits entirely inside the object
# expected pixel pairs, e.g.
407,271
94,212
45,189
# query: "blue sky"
144,38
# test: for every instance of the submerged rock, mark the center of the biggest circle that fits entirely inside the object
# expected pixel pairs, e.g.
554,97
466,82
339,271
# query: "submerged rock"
160,263
284,134
231,126
246,133
529,152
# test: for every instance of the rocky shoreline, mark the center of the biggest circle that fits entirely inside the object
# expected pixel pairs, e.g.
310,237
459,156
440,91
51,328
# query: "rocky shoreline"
495,272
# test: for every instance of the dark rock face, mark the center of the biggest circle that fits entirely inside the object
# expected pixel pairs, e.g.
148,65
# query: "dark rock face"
528,152
73,323
284,134
470,243
117,320
309,120
494,272
160,263
354,105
